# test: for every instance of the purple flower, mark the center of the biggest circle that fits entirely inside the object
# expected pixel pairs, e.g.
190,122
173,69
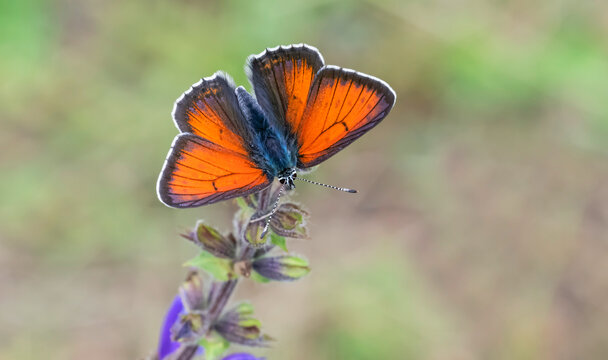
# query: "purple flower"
241,356
166,346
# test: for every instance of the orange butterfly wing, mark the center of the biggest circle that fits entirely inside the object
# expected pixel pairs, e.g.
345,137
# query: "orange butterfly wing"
281,79
342,106
210,110
210,160
198,172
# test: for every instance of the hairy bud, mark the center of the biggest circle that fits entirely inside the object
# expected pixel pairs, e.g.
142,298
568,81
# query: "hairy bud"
281,268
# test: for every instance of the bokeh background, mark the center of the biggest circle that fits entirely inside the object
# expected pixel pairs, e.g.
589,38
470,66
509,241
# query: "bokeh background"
480,230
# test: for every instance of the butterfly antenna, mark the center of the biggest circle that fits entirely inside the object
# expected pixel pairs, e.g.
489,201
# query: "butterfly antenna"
352,191
268,216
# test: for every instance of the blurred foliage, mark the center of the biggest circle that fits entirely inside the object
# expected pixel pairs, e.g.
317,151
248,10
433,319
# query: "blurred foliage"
480,231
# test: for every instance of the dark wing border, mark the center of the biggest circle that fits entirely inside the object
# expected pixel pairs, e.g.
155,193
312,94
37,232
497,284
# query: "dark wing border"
269,91
230,114
367,80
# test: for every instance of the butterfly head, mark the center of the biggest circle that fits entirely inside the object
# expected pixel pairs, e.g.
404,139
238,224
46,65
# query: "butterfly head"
286,177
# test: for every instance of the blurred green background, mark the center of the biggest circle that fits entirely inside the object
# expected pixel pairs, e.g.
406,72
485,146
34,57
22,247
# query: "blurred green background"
480,230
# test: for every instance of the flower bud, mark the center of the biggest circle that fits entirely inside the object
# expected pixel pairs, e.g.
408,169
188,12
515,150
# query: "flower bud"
191,292
191,325
247,230
190,328
253,234
281,268
290,221
212,241
237,326
264,249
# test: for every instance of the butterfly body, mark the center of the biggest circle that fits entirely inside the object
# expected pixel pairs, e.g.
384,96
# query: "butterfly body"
278,155
232,143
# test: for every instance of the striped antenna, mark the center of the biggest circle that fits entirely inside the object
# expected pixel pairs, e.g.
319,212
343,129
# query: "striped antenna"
352,191
268,216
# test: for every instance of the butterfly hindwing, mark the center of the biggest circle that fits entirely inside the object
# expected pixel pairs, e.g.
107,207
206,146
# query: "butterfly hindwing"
210,110
342,105
281,79
199,172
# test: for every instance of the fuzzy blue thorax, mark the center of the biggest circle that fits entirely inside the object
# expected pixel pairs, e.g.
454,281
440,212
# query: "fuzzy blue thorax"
271,151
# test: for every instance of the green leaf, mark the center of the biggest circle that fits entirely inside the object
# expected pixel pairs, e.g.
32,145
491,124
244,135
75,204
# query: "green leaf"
247,204
220,269
242,203
214,347
279,241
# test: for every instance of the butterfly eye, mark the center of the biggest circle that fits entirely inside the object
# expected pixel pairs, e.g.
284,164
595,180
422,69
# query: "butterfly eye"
294,175
282,181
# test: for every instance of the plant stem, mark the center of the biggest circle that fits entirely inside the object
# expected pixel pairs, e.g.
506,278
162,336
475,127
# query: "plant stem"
186,352
220,292
221,299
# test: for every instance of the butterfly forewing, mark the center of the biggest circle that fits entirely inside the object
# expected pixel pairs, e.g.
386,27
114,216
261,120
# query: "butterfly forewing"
198,172
210,110
342,106
210,161
281,79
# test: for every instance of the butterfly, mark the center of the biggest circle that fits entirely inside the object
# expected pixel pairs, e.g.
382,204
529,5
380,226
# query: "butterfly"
233,143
